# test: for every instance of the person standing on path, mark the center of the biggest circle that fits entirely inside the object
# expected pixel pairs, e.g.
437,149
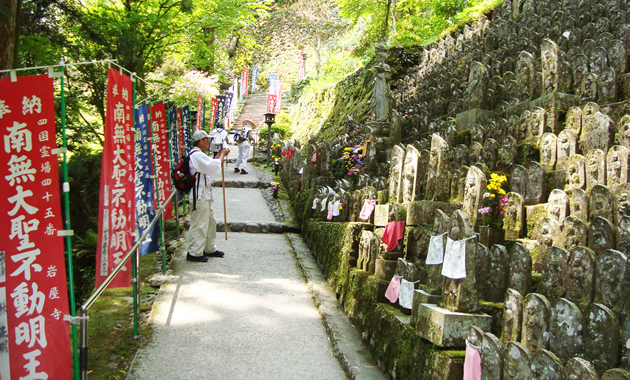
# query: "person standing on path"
242,138
219,138
203,226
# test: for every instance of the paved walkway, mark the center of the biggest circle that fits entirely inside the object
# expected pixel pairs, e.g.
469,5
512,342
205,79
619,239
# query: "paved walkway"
253,313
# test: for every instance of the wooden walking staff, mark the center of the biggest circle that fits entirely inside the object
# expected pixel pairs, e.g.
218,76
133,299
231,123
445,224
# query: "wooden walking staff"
225,227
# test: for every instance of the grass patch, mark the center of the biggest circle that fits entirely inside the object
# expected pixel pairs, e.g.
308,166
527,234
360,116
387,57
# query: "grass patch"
111,343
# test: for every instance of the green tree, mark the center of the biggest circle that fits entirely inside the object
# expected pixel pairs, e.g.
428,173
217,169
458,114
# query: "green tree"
9,11
215,28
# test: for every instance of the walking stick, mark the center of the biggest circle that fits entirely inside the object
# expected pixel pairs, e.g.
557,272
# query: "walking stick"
225,226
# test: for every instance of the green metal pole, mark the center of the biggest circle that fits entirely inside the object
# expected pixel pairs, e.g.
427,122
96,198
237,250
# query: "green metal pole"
134,260
66,202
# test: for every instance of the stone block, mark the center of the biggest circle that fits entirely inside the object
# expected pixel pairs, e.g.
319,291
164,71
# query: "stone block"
558,100
252,228
233,227
277,228
447,328
420,297
385,269
465,120
423,212
381,214
551,101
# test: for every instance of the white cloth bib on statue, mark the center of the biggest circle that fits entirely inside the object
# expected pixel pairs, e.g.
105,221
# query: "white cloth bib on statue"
454,265
436,250
405,299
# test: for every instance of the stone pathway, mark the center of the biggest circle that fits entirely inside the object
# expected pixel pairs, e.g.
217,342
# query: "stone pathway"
262,312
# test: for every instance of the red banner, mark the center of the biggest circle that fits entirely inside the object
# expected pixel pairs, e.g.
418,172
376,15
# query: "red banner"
276,110
180,128
213,111
271,102
162,163
244,80
199,113
34,339
117,196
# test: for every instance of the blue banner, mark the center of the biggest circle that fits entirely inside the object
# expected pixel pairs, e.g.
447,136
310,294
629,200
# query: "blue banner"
272,83
187,131
254,78
172,141
145,211
222,107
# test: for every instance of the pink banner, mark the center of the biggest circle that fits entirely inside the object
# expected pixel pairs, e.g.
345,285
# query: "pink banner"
199,113
34,339
162,163
117,196
271,102
244,80
213,111
301,72
278,107
180,128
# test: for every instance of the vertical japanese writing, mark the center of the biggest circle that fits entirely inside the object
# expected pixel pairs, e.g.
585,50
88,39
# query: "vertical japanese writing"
117,203
32,301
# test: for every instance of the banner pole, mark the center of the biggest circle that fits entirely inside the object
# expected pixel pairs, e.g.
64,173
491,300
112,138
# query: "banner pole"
225,226
66,202
135,261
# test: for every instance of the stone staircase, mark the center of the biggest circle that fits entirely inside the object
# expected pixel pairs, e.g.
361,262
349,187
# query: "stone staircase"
254,111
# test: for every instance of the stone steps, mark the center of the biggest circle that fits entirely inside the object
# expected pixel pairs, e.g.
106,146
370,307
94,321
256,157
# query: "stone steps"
254,110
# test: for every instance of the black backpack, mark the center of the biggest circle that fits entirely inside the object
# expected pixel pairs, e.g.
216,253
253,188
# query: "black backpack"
183,180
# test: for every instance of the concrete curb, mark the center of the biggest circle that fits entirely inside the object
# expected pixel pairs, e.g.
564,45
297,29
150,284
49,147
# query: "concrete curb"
257,228
345,340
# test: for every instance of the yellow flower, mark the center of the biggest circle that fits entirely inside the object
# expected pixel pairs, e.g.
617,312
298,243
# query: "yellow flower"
491,195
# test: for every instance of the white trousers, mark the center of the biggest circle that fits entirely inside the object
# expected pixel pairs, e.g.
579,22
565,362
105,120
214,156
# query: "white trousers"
203,229
243,155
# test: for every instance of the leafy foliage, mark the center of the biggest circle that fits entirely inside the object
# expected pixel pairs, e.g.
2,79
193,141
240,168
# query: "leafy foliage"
409,22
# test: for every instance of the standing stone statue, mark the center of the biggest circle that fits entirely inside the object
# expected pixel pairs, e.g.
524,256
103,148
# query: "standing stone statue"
461,295
616,166
525,75
595,169
536,315
382,95
407,191
473,193
622,136
437,173
396,172
478,85
550,64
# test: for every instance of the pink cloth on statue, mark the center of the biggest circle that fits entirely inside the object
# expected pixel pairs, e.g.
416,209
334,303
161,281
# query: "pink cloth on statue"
330,211
368,207
393,289
472,363
393,232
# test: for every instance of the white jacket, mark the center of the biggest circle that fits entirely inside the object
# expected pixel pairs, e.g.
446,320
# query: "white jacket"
201,163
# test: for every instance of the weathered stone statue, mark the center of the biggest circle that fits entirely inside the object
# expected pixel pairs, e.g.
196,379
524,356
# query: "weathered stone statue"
381,97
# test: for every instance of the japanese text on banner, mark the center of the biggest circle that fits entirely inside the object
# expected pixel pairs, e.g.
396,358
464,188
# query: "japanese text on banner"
162,161
116,200
35,343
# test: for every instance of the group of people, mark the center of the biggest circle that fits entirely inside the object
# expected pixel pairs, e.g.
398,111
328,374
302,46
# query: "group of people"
202,232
